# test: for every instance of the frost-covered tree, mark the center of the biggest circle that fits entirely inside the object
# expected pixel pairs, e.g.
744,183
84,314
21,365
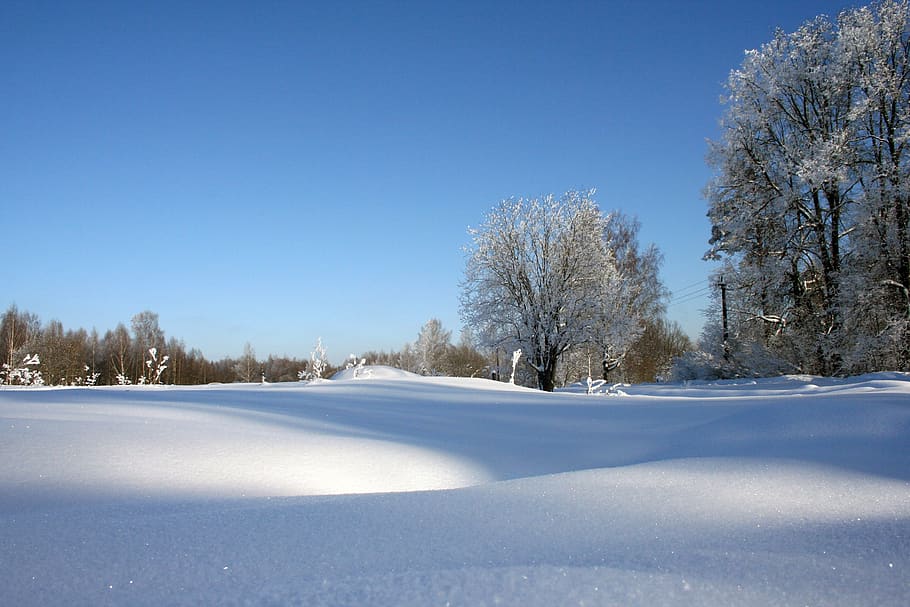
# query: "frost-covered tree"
407,359
875,41
636,296
432,346
538,276
318,363
810,198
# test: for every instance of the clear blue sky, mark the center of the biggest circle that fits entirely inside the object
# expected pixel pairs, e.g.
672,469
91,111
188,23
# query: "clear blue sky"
272,172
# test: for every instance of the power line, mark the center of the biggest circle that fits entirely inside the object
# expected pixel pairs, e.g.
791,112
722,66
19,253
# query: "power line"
691,293
694,284
682,291
690,296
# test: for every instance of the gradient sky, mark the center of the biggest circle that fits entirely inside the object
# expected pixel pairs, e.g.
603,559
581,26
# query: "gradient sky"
272,172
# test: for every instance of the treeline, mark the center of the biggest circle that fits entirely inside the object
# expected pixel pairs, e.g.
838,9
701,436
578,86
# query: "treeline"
649,358
36,353
32,353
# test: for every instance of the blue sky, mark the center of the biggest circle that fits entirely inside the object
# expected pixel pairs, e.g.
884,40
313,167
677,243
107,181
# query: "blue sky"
272,172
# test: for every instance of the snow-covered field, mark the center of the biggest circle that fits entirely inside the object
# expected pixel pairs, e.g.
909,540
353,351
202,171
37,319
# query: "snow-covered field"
391,489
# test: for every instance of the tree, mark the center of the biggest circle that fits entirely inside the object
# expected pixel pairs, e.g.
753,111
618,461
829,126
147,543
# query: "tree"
318,365
146,335
538,276
156,366
635,298
432,348
65,354
178,360
118,346
651,357
464,360
247,367
810,199
26,373
18,330
875,41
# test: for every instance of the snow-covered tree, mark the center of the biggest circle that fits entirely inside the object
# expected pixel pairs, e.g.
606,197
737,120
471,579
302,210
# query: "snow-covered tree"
538,277
318,363
634,298
875,40
810,199
356,363
432,346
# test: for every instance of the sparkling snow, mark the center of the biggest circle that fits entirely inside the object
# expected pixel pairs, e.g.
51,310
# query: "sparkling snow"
384,488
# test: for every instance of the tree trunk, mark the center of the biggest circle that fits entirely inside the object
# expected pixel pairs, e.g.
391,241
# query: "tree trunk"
546,378
546,371
609,364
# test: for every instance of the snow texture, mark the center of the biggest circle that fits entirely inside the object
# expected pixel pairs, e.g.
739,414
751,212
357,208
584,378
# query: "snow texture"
393,489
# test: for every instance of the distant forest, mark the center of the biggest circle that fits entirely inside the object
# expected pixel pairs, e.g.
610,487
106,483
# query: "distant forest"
36,353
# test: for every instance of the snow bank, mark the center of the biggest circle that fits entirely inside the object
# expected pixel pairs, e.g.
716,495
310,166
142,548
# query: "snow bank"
373,372
419,491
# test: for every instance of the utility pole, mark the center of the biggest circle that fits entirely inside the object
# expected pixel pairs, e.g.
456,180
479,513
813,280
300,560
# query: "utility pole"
723,307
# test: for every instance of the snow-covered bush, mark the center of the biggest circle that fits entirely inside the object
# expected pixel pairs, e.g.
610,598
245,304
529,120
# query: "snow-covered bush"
700,365
155,367
318,364
22,375
89,379
356,364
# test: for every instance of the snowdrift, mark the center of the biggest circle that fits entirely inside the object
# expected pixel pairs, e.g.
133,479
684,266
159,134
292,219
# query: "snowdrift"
419,491
373,372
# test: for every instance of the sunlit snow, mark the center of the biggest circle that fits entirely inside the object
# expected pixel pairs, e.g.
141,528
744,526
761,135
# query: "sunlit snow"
385,488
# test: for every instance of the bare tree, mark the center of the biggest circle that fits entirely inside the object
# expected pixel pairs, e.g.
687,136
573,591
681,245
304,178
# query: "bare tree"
119,349
247,367
17,331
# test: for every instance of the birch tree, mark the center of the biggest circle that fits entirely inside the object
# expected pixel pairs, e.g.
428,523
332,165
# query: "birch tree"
634,298
18,330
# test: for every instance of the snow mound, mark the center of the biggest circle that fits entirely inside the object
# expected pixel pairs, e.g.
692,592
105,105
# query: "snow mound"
373,372
434,491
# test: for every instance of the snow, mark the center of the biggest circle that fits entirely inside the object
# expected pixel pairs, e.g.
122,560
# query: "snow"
387,488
